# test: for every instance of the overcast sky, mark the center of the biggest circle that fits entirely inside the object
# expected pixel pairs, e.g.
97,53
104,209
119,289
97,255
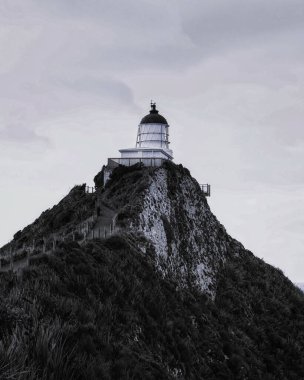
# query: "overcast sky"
77,76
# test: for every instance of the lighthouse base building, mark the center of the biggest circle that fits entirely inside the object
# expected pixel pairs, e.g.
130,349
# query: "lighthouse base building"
152,144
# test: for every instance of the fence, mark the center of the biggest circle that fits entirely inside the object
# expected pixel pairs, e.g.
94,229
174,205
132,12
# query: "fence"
153,161
14,259
13,256
90,189
206,189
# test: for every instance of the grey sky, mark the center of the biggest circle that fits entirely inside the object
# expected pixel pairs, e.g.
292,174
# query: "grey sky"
77,76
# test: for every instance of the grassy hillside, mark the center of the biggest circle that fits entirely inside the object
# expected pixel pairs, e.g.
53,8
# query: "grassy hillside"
102,311
106,310
75,207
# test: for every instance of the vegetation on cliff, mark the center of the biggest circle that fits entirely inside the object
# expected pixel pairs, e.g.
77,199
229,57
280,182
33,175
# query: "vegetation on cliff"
104,312
71,210
103,309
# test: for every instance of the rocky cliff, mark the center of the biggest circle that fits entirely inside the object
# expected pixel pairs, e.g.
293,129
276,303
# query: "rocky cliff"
168,294
170,210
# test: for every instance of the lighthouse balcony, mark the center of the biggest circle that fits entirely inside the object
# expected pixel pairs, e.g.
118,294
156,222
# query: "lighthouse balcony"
129,161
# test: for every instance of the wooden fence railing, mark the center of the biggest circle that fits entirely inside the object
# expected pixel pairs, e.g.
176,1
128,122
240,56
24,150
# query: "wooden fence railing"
14,258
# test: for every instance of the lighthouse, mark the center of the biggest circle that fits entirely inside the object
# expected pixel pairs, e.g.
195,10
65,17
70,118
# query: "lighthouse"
152,146
152,140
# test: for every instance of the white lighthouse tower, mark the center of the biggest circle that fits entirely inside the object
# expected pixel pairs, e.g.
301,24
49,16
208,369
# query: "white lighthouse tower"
152,144
152,138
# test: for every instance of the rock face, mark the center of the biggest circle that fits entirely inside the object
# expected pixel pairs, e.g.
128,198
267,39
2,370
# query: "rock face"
189,242
170,210
170,295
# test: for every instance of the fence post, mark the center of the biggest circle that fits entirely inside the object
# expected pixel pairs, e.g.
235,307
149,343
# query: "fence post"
114,222
11,258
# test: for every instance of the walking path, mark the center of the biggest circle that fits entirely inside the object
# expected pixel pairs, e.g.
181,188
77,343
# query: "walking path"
99,226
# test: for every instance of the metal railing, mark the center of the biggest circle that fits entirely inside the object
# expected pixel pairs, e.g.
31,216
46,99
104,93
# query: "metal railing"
153,161
206,189
90,189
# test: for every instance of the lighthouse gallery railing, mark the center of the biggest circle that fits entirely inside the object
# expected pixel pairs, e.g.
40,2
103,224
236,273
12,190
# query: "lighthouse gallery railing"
152,161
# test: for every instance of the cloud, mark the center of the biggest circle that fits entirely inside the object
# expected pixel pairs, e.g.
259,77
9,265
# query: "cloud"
17,133
106,90
216,25
77,76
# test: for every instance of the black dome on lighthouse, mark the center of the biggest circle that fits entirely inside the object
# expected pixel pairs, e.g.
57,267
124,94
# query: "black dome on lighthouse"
153,117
